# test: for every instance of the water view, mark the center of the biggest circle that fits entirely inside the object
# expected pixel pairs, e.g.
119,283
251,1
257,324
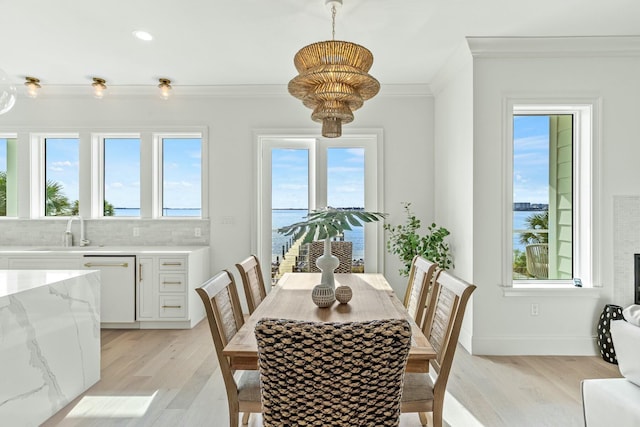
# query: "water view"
282,217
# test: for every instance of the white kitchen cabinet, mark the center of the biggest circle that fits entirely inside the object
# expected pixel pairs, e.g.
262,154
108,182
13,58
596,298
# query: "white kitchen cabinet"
164,282
166,293
147,305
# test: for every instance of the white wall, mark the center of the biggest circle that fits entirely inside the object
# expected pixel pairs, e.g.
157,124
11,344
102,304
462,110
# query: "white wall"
453,90
405,115
601,68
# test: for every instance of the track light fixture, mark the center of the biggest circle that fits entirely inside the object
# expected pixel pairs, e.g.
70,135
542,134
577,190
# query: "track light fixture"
99,86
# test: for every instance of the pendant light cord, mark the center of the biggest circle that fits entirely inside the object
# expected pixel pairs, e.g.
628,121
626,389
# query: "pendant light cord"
333,22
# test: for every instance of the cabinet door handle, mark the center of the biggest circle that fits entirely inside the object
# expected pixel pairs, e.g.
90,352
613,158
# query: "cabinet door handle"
122,264
172,283
140,272
171,306
171,263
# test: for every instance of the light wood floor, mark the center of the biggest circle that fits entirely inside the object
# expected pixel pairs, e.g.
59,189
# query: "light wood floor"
170,378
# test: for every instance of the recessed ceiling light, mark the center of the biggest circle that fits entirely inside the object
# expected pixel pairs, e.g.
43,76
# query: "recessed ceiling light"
143,35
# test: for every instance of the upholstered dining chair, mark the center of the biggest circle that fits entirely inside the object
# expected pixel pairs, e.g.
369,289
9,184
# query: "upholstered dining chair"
442,324
221,302
332,374
422,275
252,282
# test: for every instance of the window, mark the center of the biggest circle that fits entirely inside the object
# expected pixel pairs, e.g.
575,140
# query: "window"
109,174
552,188
8,177
298,174
61,176
121,184
181,176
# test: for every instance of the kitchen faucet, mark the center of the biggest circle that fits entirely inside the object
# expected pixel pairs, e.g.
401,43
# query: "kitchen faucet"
68,241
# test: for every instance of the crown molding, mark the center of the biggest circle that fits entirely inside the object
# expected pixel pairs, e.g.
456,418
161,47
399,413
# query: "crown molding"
214,91
523,47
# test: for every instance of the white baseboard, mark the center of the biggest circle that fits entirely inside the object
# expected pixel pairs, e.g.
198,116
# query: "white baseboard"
534,346
466,340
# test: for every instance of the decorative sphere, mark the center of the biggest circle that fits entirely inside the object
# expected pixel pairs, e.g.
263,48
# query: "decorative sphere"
323,295
343,294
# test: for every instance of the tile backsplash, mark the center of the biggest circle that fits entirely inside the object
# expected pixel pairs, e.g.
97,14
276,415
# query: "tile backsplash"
119,232
626,243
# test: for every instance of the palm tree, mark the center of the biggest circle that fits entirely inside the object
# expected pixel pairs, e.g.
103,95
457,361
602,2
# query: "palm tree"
3,193
537,221
56,203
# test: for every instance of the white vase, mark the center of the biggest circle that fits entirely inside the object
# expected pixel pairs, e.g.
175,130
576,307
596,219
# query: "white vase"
327,263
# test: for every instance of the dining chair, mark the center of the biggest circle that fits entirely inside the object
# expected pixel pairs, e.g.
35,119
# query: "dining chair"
442,324
422,275
252,282
332,374
342,250
221,302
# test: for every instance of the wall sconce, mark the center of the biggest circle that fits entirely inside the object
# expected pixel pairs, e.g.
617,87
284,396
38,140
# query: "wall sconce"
99,87
165,88
33,85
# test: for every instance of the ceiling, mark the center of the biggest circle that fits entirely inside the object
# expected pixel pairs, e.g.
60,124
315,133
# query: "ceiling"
252,42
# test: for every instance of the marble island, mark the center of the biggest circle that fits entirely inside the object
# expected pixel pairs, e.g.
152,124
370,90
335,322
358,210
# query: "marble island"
49,341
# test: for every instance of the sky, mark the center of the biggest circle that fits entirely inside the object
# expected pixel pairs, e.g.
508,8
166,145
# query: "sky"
531,159
290,178
3,155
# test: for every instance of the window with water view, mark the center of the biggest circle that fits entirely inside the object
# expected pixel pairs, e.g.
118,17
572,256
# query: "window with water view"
543,197
311,176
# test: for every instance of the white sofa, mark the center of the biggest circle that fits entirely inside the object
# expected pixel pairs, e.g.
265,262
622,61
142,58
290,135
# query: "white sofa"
615,402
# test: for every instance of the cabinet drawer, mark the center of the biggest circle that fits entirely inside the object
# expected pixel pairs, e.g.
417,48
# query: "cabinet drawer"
173,306
173,264
173,282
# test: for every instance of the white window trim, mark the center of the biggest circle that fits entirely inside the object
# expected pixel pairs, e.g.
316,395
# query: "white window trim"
586,196
374,168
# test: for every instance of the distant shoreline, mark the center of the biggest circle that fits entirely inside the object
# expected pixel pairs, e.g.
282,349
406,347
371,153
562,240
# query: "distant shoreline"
306,209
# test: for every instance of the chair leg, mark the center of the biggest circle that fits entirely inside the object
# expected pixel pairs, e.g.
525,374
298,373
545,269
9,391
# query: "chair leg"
423,419
437,416
245,418
233,418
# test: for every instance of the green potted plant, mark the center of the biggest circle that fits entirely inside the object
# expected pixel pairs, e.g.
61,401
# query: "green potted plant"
405,242
323,224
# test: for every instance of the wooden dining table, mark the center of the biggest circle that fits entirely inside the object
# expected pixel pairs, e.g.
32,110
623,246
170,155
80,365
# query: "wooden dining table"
373,299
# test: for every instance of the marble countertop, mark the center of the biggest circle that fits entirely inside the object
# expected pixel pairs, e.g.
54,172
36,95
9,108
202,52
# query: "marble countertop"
98,250
16,281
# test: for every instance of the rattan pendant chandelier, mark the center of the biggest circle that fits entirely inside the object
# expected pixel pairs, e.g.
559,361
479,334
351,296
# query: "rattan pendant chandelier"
333,79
